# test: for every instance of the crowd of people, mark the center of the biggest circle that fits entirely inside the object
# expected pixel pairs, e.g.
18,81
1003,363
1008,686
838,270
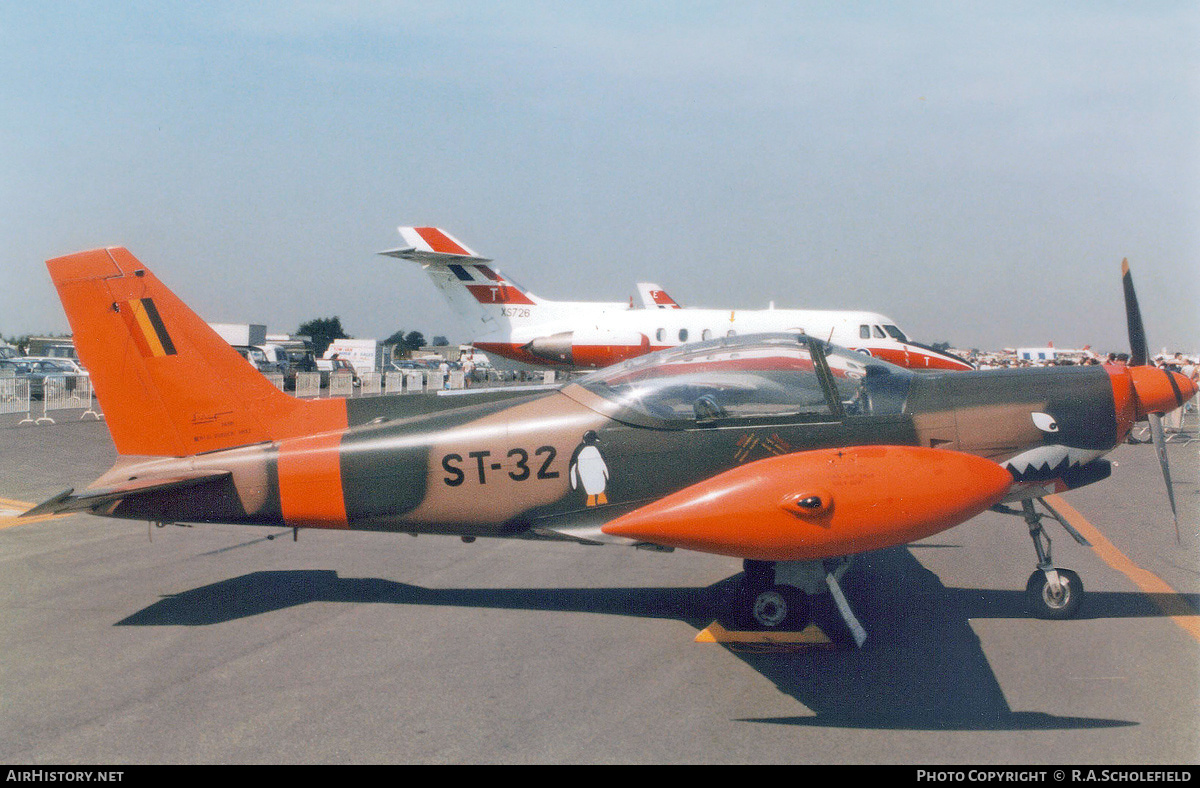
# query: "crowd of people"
1188,366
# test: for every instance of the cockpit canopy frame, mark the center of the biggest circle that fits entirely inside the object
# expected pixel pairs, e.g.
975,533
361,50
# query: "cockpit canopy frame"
750,379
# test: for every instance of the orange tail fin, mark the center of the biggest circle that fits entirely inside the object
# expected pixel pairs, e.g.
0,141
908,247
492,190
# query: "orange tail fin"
169,385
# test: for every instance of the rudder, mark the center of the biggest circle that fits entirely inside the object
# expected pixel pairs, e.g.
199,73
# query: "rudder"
169,385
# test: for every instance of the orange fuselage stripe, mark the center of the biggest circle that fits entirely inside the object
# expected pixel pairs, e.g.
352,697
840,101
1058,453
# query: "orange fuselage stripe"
310,482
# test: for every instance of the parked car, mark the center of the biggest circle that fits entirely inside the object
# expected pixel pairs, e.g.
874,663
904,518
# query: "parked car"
256,358
408,365
36,370
298,361
330,366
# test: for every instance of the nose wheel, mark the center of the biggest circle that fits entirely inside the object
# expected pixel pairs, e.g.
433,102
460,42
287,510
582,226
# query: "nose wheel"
1054,593
1051,593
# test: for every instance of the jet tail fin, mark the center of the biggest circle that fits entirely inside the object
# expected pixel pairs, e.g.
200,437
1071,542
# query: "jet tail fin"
654,297
473,288
168,383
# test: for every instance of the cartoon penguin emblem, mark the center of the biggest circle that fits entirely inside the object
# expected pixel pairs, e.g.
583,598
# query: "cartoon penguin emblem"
589,471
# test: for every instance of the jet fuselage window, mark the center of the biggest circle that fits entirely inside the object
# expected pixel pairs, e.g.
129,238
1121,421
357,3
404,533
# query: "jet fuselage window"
661,335
879,333
683,335
864,332
896,333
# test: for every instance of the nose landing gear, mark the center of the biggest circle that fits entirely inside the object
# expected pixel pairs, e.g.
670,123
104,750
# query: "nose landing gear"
1051,593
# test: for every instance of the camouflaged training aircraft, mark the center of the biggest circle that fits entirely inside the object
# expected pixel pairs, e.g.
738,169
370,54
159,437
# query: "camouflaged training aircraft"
779,449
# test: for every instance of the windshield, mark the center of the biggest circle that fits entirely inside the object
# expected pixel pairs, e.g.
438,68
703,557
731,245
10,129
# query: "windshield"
764,377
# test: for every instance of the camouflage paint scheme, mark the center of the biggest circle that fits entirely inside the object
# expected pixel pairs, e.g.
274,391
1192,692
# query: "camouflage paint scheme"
502,467
776,448
226,446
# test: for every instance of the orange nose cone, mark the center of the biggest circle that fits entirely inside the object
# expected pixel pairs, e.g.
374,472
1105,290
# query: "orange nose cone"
824,503
1159,391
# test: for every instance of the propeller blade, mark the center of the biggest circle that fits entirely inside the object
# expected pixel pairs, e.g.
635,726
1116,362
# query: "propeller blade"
1138,351
1160,448
1139,355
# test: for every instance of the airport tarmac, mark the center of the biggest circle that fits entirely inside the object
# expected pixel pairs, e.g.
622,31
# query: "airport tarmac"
127,644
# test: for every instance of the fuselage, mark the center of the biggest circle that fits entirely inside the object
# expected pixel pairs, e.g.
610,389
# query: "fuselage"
596,335
508,320
505,467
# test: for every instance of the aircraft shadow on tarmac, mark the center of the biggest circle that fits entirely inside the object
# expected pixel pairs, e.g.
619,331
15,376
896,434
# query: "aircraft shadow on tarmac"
923,667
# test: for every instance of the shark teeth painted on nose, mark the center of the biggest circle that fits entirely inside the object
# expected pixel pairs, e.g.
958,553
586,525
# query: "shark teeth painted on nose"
1048,462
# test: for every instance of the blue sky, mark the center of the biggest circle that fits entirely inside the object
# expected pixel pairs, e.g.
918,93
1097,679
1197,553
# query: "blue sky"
976,171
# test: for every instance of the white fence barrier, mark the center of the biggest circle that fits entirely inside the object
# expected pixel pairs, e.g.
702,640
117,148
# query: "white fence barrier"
341,384
1182,425
308,384
66,392
276,378
370,383
14,396
414,381
393,383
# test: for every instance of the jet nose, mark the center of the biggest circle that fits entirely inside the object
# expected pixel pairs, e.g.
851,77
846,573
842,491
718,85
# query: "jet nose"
1158,390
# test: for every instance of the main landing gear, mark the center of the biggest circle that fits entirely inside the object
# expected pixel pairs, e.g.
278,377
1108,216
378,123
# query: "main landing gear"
779,596
1051,592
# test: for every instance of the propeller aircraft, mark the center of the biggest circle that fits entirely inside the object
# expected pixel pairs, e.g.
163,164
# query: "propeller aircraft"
779,449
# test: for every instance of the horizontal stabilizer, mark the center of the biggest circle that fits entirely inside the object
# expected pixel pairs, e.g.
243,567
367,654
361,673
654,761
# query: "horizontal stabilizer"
67,502
432,245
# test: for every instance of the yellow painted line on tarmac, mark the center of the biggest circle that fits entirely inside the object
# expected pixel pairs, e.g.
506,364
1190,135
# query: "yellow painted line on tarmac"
1168,599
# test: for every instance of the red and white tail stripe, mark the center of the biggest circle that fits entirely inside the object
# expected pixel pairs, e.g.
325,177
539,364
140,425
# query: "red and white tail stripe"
451,262
654,297
435,240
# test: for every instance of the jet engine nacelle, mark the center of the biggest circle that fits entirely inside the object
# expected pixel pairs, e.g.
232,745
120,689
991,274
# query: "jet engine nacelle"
590,348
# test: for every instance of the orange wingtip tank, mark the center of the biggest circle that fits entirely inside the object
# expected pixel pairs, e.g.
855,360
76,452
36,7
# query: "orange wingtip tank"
823,503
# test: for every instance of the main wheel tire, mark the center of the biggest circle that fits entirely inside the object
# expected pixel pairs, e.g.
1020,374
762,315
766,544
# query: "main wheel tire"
776,608
1045,603
769,609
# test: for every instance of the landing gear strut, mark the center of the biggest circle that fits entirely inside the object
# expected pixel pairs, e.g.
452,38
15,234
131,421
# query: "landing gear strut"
1051,592
777,596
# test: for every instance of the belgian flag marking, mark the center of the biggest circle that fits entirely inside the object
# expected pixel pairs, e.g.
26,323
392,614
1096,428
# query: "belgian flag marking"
146,327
